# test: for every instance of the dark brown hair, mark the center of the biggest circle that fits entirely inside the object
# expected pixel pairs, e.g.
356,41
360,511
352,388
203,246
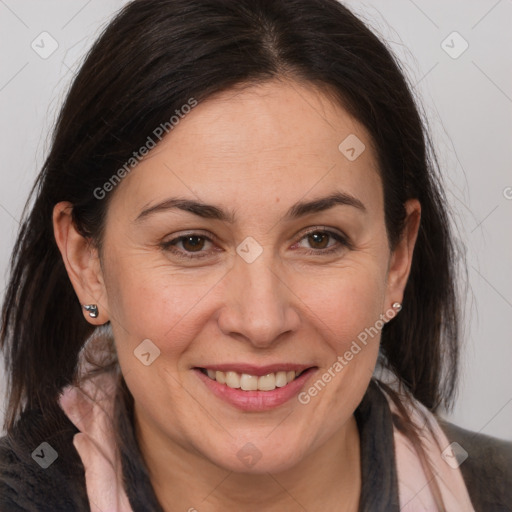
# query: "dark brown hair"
148,62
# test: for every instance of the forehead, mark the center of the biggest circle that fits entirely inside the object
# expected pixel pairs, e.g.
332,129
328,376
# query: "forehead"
277,141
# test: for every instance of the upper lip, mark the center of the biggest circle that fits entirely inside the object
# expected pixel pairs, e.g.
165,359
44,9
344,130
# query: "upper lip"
258,371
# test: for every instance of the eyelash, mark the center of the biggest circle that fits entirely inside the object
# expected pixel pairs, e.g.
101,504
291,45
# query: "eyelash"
169,246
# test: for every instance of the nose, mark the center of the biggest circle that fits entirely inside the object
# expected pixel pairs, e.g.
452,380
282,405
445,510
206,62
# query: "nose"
260,306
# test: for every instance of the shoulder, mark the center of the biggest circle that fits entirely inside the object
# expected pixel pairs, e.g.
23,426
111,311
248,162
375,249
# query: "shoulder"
40,469
487,470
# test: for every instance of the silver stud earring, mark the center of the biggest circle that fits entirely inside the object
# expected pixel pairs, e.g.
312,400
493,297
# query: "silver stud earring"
397,306
92,308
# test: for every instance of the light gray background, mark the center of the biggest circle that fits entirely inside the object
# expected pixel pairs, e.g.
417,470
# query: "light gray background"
467,100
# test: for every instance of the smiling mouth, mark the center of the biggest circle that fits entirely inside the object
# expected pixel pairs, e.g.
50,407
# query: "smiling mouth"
247,382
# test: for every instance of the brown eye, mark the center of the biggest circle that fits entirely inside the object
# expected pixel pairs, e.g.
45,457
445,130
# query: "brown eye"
188,246
318,239
193,243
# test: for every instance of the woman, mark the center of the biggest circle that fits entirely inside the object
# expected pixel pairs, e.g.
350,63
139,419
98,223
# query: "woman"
235,286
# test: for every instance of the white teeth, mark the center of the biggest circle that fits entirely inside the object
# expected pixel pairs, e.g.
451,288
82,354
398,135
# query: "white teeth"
281,379
232,380
267,382
249,382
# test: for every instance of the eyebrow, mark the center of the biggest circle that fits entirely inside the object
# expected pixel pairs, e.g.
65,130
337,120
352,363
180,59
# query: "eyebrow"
208,211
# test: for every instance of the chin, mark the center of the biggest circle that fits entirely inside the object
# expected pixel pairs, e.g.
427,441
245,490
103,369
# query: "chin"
258,457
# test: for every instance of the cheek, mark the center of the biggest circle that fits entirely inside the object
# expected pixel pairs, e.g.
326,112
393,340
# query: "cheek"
348,303
155,303
349,316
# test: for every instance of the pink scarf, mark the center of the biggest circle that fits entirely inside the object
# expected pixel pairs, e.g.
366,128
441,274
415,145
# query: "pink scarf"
93,416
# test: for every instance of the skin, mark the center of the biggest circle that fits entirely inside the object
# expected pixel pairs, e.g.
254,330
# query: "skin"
256,150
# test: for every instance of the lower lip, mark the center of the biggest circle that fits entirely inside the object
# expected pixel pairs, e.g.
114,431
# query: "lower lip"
256,400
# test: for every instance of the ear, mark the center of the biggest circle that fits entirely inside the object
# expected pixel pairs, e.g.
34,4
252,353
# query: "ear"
82,263
401,258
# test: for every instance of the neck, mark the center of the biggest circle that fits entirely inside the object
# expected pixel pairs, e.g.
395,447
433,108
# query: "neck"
327,479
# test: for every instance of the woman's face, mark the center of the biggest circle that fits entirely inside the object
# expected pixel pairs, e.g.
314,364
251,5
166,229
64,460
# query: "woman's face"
273,278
